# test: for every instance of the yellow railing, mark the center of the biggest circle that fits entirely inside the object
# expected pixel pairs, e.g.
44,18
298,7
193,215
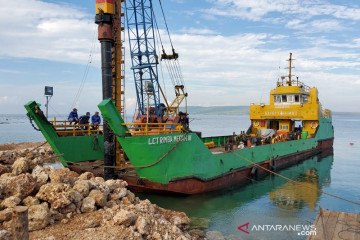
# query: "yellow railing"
141,129
64,128
327,113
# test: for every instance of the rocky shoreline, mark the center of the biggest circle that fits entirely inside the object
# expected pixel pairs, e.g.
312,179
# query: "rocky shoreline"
65,205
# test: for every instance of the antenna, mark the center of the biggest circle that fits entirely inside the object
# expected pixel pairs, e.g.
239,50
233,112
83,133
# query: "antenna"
290,67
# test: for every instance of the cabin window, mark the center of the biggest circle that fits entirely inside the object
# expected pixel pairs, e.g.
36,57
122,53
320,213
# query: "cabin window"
283,98
290,98
277,99
284,127
305,99
297,98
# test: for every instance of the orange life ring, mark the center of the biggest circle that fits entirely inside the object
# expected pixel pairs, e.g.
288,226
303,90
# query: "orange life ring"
314,125
256,123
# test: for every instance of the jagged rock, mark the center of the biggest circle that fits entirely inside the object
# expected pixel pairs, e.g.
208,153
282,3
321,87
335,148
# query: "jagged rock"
131,196
179,219
19,186
68,209
5,235
11,202
5,215
145,206
4,169
125,217
56,194
214,235
40,176
7,157
113,184
99,197
88,205
199,223
100,186
118,193
197,233
75,196
86,176
82,186
142,225
21,165
29,201
39,216
63,175
99,179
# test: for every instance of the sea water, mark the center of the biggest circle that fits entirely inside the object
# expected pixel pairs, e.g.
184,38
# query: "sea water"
270,208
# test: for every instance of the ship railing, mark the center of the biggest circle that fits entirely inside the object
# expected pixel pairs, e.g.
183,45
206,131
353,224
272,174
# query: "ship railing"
64,128
284,83
327,113
144,129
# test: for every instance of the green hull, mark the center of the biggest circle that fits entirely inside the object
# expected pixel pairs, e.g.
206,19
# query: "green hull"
74,149
168,161
191,158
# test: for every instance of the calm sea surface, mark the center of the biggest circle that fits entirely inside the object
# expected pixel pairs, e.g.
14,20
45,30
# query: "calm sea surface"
271,201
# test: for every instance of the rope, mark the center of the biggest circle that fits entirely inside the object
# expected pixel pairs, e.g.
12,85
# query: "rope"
293,181
39,146
163,156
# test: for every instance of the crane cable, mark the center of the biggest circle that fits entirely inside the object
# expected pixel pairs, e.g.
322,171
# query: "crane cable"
86,72
172,67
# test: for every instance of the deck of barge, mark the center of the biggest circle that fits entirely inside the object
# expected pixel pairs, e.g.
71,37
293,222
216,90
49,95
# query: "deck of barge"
331,225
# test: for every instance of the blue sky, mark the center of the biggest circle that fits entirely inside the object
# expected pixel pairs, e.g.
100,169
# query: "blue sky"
231,51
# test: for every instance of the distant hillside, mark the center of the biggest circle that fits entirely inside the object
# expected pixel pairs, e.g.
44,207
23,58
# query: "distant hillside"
222,110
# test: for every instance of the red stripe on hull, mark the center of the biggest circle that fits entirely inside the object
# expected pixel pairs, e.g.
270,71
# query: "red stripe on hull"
193,185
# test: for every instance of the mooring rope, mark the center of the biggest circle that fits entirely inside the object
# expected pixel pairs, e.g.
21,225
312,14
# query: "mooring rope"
296,182
167,153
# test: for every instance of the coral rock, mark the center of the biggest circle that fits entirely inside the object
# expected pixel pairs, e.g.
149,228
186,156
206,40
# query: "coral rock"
40,176
124,217
63,175
19,186
99,197
5,215
113,184
21,165
83,187
56,194
4,169
29,201
5,235
142,225
86,176
39,216
11,202
88,205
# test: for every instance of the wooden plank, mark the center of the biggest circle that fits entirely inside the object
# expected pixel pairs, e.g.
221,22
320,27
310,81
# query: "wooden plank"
331,223
349,226
339,227
320,218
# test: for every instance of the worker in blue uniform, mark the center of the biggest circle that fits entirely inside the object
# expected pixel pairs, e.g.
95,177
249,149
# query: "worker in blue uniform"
95,120
73,117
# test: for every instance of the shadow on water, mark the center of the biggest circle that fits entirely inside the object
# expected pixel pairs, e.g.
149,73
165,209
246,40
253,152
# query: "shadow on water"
271,192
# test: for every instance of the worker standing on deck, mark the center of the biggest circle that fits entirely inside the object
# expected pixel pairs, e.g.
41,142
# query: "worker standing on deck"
95,120
73,116
84,119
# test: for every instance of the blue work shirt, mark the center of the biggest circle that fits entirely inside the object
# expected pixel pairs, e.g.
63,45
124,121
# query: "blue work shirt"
73,115
95,119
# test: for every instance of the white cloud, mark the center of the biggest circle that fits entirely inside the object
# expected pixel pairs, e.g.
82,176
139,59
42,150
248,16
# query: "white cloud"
199,31
48,31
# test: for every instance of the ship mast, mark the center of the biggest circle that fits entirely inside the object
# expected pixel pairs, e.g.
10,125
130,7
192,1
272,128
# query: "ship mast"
289,82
